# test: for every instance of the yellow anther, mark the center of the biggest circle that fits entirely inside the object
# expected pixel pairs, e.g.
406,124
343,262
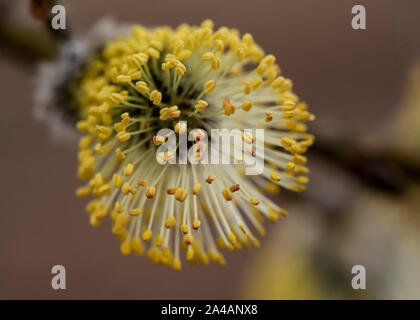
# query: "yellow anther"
156,97
254,241
210,179
297,149
275,176
142,87
273,215
85,142
290,166
171,190
219,45
289,103
184,54
177,265
156,44
154,255
170,222
119,127
277,82
196,224
207,24
115,99
302,169
128,169
147,235
262,67
232,238
247,105
125,117
92,206
220,242
135,212
120,155
98,180
184,228
123,79
117,180
228,107
240,54
150,192
179,46
271,74
201,105
247,39
123,136
158,140
104,132
302,180
153,53
268,60
126,188
247,87
99,149
227,194
196,188
287,142
103,190
207,56
135,74
209,86
268,116
142,183
188,239
171,112
125,248
138,60
137,246
174,112
288,114
118,207
121,220
215,63
283,212
234,188
286,85
180,69
158,240
180,128
83,191
83,126
254,201
181,194
256,83
190,254
101,213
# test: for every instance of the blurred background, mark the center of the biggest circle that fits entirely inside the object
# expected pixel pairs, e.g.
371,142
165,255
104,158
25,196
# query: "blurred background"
362,206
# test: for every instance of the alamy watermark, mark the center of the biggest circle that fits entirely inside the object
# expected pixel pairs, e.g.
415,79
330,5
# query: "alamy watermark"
358,22
235,146
58,21
58,282
358,282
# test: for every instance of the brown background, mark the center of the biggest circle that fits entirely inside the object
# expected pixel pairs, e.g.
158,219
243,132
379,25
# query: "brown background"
352,77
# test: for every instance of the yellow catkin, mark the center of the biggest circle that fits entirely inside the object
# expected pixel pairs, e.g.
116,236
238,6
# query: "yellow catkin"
155,78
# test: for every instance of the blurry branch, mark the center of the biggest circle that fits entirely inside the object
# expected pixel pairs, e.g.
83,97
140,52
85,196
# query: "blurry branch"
379,164
26,46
